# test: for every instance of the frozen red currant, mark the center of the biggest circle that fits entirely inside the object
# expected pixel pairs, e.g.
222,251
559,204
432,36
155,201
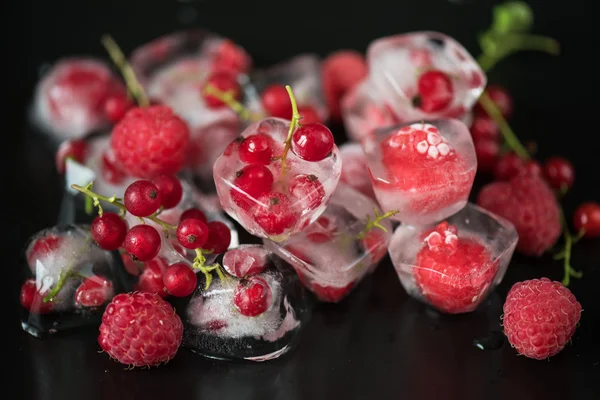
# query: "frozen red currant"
257,149
142,242
192,233
116,106
308,190
309,115
435,91
274,213
32,300
322,230
251,182
487,151
252,296
170,190
219,237
142,198
245,261
151,280
43,247
587,218
193,213
312,142
276,102
484,127
180,280
75,149
93,292
559,173
225,82
109,231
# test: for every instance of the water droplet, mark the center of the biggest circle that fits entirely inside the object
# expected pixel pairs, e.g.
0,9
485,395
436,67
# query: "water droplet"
492,341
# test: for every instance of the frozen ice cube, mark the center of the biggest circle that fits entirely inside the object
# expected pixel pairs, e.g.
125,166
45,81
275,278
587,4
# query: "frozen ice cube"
334,253
269,200
423,170
216,329
69,100
355,169
455,264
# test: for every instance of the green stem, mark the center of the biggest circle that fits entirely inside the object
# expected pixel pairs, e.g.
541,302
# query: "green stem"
120,61
375,223
293,125
509,136
227,97
566,252
89,205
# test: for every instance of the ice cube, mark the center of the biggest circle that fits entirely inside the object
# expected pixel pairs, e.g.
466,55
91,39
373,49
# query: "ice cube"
69,100
173,69
423,170
77,276
269,200
455,264
216,329
334,253
355,169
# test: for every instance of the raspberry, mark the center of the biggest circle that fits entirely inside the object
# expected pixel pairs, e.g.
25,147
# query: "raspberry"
150,141
140,329
540,316
530,205
453,272
341,71
93,292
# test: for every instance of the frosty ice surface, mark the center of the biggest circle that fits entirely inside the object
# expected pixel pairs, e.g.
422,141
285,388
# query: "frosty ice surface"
423,170
334,253
455,264
216,329
355,169
269,200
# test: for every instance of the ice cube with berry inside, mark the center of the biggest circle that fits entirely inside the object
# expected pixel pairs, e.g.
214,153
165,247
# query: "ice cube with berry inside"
254,312
453,265
355,169
425,171
272,192
336,251
70,99
174,70
70,280
303,74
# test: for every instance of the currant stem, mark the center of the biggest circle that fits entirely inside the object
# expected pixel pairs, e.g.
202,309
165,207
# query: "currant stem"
62,278
293,125
509,136
375,223
565,254
120,60
227,97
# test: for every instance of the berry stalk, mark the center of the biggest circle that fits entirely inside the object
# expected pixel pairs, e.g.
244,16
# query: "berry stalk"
227,97
565,254
198,264
375,223
294,123
120,61
499,46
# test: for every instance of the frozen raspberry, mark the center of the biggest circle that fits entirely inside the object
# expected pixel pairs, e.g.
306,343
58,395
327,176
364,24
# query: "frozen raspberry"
530,205
140,329
341,71
32,300
274,213
244,262
540,317
151,279
150,141
93,292
453,272
42,247
308,190
331,294
252,296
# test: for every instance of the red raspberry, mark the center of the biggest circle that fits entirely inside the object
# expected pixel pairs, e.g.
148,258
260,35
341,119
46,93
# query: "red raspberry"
453,273
93,292
43,247
32,300
540,317
150,141
530,205
341,71
331,294
140,329
151,280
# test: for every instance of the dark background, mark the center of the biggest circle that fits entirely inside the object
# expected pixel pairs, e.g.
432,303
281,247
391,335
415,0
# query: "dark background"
377,343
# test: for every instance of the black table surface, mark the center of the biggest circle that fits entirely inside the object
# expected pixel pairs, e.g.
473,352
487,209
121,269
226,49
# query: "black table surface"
377,343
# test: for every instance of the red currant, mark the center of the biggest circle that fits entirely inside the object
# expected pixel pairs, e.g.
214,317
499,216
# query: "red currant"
484,127
151,280
93,292
274,213
374,243
487,154
170,190
322,230
587,218
435,91
110,170
257,149
225,82
109,231
307,189
559,173
192,233
245,262
219,237
32,300
75,149
532,168
501,97
142,242
252,296
180,280
43,247
250,182
193,213
142,198
508,166
116,107
309,115
132,267
312,142
276,102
